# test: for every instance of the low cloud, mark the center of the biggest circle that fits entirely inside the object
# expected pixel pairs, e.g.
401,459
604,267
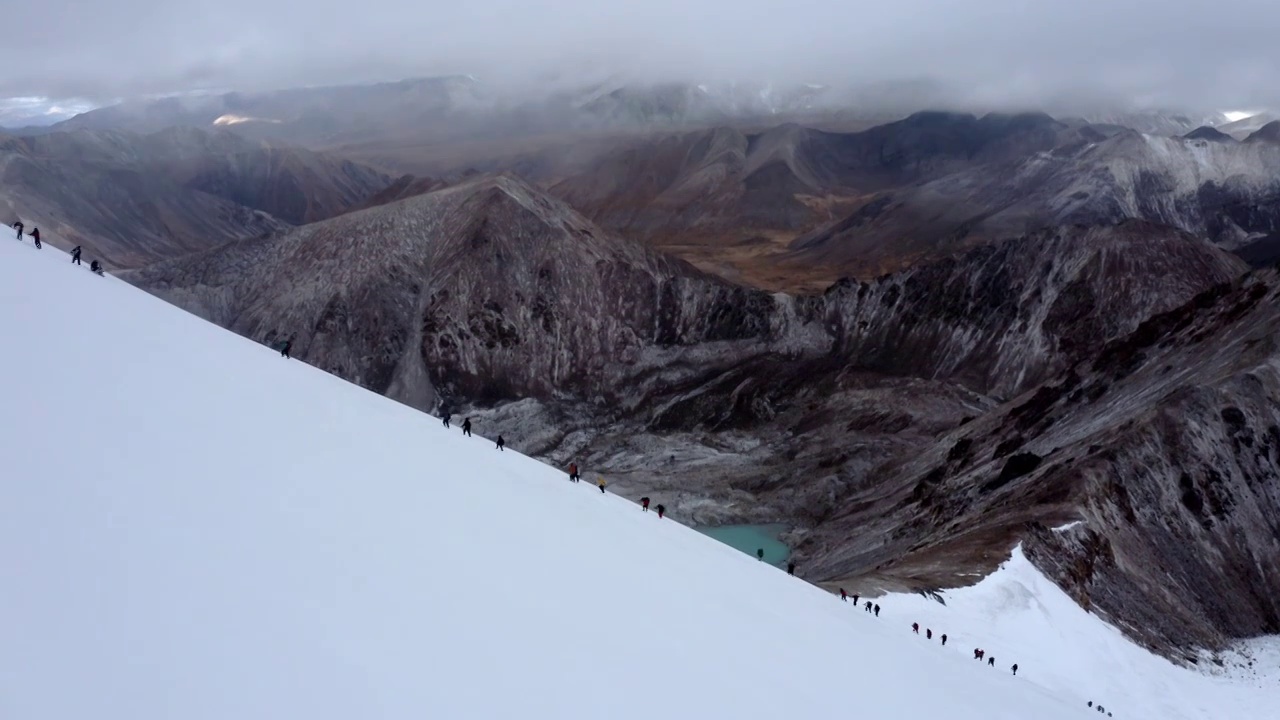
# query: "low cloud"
1171,53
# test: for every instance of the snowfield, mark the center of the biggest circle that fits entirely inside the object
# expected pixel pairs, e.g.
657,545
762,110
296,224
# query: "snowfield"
194,528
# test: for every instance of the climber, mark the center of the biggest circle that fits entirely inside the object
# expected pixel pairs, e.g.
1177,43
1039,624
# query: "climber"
760,554
976,654
844,596
855,599
466,427
95,267
868,607
661,511
75,255
35,234
288,345
877,610
944,639
1015,669
19,226
644,504
601,483
991,661
501,442
791,568
446,419
573,473
928,634
915,628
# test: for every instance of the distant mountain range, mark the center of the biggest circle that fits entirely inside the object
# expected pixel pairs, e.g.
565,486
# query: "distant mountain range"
130,199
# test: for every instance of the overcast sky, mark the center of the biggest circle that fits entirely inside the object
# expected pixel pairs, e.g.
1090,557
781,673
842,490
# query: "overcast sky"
1179,53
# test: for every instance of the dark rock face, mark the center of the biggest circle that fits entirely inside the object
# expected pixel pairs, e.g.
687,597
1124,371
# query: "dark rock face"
1001,318
1165,447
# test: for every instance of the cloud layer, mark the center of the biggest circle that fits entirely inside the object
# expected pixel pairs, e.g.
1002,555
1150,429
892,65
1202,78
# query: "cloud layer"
1170,53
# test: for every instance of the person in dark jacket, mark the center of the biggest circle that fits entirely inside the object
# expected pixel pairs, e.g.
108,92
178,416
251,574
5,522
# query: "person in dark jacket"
915,628
944,639
18,225
95,267
75,255
662,510
288,345
791,568
1015,669
644,504
855,599
928,634
868,606
446,419
466,427
991,661
760,554
35,235
501,442
877,610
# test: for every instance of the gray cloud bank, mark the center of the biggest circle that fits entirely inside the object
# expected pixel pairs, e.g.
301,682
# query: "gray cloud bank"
1167,53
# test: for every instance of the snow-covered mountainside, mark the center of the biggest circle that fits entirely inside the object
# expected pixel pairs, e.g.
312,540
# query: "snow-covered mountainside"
195,527
581,345
131,199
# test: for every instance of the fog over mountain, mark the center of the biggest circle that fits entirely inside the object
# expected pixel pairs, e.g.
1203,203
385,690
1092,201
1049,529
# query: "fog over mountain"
1183,53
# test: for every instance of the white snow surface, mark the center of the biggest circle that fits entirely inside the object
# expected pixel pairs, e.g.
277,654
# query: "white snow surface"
194,527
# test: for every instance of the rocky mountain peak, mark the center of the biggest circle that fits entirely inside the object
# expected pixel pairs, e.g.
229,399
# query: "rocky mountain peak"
1210,134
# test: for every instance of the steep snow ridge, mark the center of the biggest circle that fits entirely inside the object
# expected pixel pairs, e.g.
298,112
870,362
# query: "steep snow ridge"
327,553
1018,616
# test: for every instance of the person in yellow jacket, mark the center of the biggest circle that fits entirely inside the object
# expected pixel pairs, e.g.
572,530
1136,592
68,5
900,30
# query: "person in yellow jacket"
601,484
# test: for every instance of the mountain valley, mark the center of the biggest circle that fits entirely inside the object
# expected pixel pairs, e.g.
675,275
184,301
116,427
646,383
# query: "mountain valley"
916,343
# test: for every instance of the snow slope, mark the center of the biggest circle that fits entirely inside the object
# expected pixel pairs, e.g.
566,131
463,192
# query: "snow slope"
193,527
